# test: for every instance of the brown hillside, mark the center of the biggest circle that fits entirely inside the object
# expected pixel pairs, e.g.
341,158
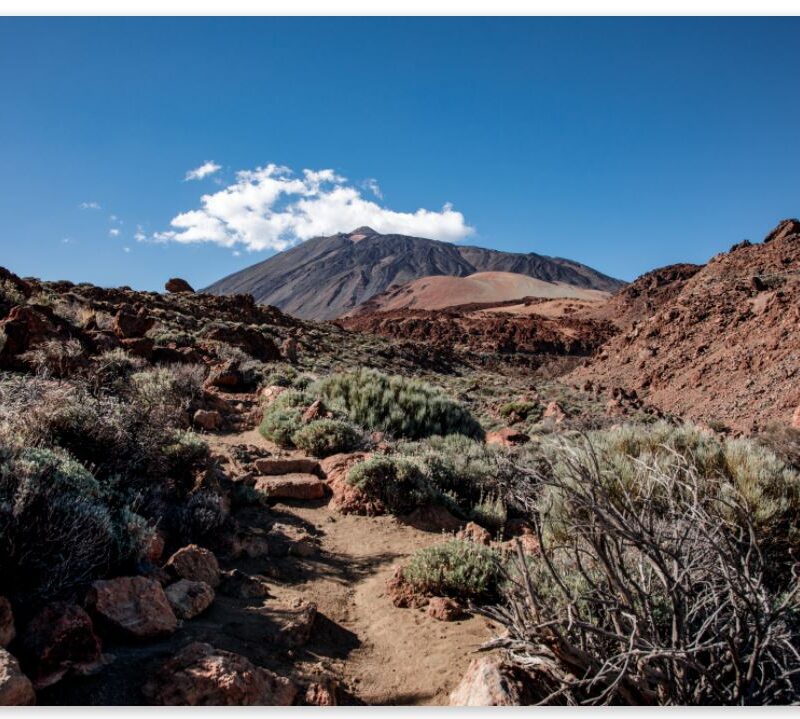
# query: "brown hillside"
716,343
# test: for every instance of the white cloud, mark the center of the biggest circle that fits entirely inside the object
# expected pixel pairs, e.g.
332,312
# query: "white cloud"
89,205
139,235
271,208
372,185
207,168
113,232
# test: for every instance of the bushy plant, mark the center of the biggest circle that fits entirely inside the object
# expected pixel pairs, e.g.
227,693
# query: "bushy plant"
456,568
56,358
490,512
324,437
397,405
283,417
522,409
397,482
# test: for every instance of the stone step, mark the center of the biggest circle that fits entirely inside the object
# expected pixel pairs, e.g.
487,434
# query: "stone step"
272,466
291,486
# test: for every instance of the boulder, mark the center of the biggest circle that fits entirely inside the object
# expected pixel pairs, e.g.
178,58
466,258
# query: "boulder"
58,639
132,607
176,284
28,326
188,598
402,594
226,376
490,682
316,410
139,347
296,623
291,486
195,563
202,675
322,693
15,688
346,498
507,437
129,325
209,420
7,629
785,228
554,412
289,349
302,465
251,340
445,609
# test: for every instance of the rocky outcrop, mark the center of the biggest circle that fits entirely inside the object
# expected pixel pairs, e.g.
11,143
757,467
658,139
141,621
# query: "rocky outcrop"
271,466
132,608
58,639
195,563
129,325
507,437
202,675
296,623
445,609
208,420
176,285
347,498
490,682
15,688
188,598
473,532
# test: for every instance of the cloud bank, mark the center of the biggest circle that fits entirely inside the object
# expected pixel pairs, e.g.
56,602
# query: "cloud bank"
272,208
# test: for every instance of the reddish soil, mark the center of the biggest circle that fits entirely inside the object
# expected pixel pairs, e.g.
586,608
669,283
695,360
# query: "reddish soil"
716,343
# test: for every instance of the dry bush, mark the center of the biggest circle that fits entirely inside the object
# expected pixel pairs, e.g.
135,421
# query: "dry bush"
56,358
658,581
324,437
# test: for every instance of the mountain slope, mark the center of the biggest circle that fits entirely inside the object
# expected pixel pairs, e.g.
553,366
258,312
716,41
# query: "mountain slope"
327,276
717,342
438,291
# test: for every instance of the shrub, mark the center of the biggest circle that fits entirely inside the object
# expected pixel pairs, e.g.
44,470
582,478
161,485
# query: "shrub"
324,437
283,417
523,409
663,574
490,512
397,405
456,568
397,482
56,358
59,526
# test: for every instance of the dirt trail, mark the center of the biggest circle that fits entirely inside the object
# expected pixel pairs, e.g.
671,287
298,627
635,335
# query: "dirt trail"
384,655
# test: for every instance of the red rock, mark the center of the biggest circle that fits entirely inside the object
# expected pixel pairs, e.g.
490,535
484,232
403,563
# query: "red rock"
134,607
475,533
249,339
139,347
289,349
346,498
226,376
445,609
7,629
316,410
60,638
243,586
195,563
208,420
291,486
506,437
402,594
201,675
785,228
554,412
188,598
322,693
128,325
488,682
176,285
302,465
796,418
15,688
155,547
296,623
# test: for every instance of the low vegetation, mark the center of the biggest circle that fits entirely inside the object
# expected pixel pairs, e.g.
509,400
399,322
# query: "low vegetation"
324,437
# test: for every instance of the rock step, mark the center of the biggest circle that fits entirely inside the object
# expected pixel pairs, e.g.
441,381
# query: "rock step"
297,465
291,486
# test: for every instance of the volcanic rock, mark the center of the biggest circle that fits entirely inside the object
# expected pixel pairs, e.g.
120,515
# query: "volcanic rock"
445,609
176,284
291,486
489,682
188,598
15,688
133,607
195,563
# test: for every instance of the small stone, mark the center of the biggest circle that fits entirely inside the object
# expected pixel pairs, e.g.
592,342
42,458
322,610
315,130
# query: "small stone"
196,563
188,598
15,688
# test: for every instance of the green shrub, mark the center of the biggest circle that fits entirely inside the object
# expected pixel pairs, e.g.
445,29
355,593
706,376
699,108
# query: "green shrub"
523,409
490,512
283,417
397,482
397,405
324,437
456,568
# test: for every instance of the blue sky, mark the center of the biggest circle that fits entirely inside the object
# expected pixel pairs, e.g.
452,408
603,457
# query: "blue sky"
622,143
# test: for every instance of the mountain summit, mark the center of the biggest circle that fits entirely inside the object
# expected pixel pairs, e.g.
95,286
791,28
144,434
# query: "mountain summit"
326,277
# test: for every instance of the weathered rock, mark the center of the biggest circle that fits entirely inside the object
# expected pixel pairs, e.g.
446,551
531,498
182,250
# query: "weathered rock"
507,437
195,563
445,609
7,629
291,486
226,376
176,284
296,623
129,325
133,607
785,228
316,410
139,347
475,533
304,465
271,393
208,420
28,326
249,339
402,594
346,498
155,547
489,682
796,418
58,639
15,688
433,518
322,693
289,349
188,598
236,583
202,675
554,412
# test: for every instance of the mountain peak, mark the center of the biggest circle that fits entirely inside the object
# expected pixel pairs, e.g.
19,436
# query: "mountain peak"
364,230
